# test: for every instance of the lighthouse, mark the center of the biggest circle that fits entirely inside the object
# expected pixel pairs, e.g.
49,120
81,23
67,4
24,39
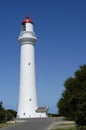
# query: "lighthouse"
27,105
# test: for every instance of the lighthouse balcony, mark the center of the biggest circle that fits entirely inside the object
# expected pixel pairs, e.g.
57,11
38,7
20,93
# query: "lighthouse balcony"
30,33
27,36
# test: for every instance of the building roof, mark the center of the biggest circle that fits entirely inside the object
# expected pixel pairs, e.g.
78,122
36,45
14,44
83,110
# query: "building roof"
42,109
27,20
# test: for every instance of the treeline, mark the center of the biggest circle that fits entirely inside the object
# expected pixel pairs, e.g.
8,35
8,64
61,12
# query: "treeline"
72,104
54,115
6,115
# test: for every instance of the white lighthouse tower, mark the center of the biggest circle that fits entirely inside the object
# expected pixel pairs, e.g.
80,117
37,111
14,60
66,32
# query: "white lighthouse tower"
27,107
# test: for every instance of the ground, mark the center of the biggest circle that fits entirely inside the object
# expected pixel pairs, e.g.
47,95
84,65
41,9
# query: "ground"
61,123
51,123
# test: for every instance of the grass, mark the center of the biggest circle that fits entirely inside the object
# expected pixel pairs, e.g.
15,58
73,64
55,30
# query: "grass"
64,124
65,128
6,124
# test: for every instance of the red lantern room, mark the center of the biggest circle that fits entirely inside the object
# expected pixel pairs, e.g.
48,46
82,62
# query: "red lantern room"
26,24
27,20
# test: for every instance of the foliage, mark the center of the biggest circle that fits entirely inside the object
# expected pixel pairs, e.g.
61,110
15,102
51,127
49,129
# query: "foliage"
81,128
54,115
73,102
2,117
6,115
1,106
10,114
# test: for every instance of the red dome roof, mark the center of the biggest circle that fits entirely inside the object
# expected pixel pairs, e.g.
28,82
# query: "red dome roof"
27,20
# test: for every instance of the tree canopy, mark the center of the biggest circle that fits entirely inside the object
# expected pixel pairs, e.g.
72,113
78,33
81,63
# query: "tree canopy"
73,101
6,115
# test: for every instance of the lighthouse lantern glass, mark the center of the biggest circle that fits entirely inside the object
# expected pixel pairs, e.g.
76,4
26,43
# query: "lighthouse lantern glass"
24,27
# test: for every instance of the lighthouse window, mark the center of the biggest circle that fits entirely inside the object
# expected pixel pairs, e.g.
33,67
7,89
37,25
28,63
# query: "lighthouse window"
29,63
30,99
23,27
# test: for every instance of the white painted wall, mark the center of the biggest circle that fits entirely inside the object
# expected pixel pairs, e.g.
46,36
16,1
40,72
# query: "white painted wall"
29,27
27,95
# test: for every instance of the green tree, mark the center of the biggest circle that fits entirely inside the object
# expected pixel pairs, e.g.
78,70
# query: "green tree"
6,115
1,106
2,113
73,102
2,117
11,114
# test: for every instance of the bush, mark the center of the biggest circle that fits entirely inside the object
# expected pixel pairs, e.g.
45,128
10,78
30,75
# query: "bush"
81,128
2,117
6,115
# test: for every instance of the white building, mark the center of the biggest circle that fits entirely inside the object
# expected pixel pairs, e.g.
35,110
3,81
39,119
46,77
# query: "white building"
27,107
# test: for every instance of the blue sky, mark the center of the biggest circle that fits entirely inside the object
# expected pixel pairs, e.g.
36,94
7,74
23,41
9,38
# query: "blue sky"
60,26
